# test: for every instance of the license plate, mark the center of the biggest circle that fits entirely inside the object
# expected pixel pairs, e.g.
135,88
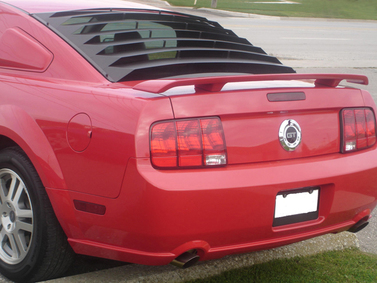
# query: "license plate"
296,206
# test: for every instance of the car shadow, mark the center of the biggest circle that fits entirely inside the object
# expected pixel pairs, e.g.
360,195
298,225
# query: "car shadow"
84,264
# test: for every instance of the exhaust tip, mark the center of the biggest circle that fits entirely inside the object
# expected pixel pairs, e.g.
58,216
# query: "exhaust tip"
186,260
359,225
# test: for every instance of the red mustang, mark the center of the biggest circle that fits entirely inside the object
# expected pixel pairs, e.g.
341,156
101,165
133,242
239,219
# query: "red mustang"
152,137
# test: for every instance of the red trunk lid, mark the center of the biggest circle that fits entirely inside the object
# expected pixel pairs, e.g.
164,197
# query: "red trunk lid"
251,121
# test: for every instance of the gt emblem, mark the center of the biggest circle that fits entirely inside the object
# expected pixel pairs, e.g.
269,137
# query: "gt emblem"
290,135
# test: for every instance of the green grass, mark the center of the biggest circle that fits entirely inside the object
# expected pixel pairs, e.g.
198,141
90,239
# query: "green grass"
346,9
350,265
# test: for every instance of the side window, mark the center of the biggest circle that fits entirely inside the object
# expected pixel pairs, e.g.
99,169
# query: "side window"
20,51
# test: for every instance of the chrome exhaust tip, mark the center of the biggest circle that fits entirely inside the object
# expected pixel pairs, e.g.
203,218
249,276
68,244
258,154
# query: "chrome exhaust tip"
186,259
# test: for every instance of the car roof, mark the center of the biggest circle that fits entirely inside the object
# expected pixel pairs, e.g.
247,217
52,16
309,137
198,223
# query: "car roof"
41,6
128,41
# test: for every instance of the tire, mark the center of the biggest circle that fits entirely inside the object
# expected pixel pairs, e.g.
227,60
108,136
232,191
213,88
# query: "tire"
33,246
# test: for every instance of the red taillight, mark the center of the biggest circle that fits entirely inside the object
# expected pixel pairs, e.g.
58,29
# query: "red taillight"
188,143
214,151
164,144
189,139
359,129
371,127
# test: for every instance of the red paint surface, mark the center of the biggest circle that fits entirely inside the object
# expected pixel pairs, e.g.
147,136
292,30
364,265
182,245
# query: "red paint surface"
153,215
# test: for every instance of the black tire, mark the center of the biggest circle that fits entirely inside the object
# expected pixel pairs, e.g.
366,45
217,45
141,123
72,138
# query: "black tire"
33,246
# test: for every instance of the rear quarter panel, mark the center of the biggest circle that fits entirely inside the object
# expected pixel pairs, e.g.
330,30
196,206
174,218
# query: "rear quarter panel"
70,86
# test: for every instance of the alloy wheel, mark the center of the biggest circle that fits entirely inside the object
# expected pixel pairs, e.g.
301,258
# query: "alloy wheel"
16,224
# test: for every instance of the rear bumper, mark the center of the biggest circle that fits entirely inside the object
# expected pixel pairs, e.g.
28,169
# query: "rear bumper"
161,214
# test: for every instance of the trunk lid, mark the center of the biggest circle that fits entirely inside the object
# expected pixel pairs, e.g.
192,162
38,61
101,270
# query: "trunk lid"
251,121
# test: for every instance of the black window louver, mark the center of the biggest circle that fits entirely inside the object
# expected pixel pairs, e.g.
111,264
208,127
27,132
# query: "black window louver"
131,44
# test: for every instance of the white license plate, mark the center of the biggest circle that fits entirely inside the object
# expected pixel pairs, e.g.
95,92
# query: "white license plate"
295,203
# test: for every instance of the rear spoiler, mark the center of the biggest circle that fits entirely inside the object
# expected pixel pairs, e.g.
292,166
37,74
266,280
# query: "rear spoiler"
217,83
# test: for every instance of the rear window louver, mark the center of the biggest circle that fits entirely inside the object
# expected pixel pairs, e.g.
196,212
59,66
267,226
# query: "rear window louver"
129,44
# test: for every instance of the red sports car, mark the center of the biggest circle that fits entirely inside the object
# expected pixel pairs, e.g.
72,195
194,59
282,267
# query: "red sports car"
151,137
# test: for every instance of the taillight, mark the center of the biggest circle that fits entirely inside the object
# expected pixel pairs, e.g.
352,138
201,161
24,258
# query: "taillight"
164,144
359,129
188,143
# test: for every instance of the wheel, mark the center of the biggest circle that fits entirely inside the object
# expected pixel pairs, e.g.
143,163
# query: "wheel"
33,247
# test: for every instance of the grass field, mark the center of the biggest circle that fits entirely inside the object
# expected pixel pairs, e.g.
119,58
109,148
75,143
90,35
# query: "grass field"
346,266
346,9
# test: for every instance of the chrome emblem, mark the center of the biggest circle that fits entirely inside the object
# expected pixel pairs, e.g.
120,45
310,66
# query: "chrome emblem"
290,135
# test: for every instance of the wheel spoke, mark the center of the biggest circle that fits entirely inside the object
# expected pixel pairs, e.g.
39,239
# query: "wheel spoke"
23,226
3,207
2,235
20,242
2,195
24,213
12,187
13,247
17,194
